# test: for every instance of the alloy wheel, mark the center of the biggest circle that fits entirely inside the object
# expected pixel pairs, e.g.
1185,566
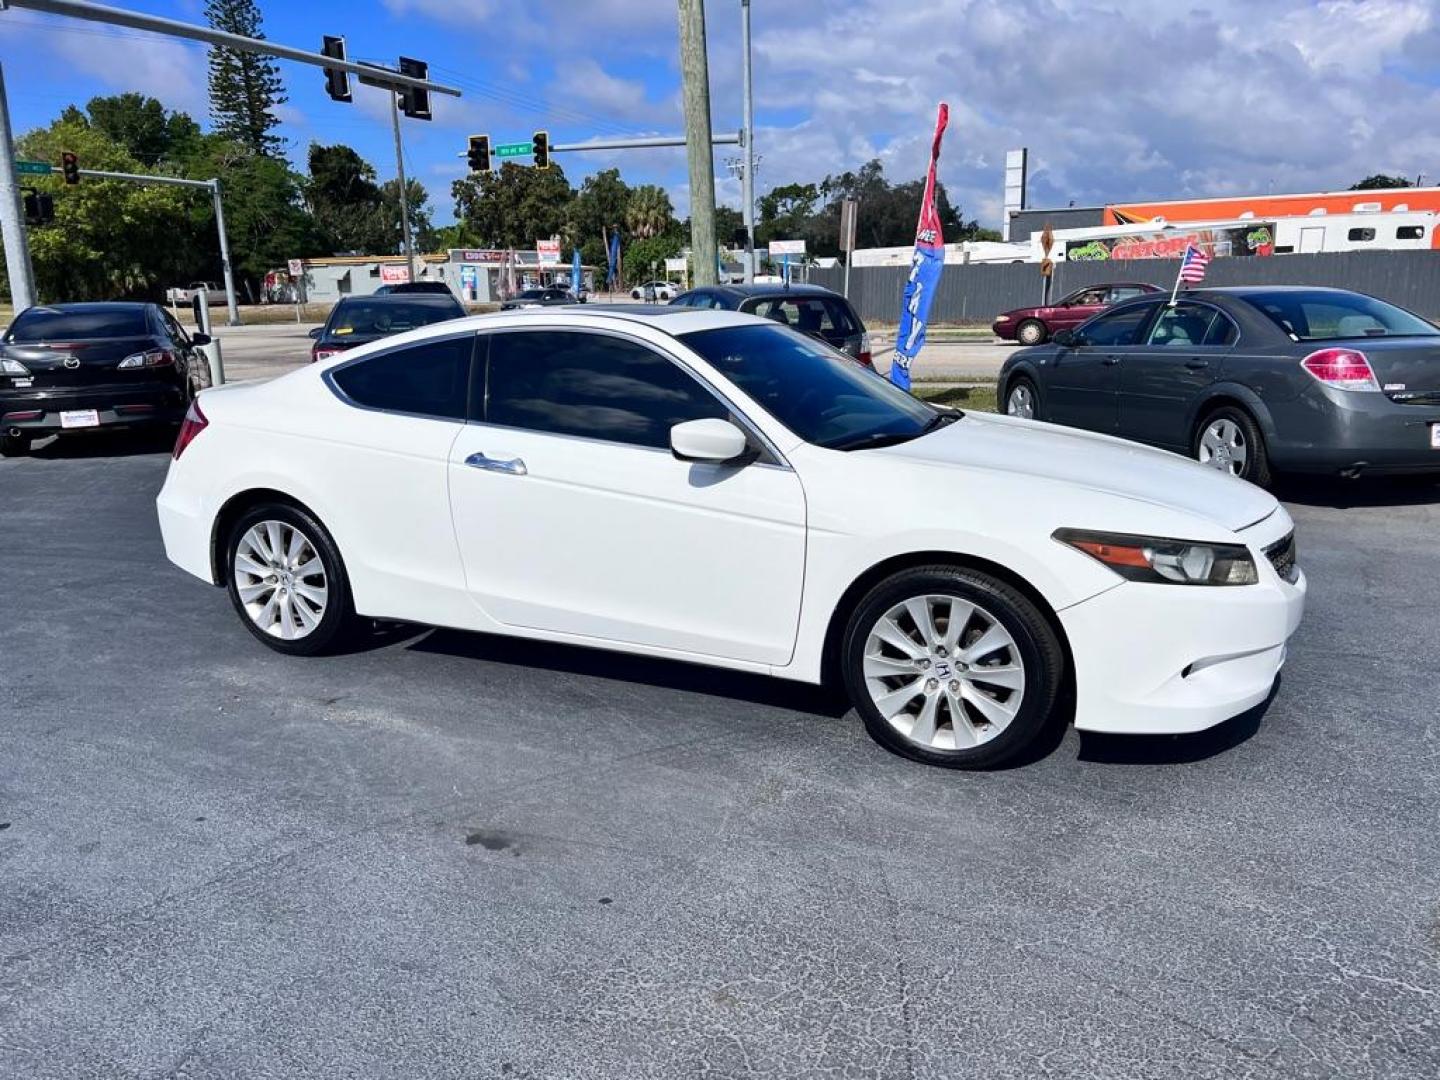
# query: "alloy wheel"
944,672
1222,446
281,580
1020,402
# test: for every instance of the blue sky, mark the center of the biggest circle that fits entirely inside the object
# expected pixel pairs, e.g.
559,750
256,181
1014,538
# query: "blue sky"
1117,99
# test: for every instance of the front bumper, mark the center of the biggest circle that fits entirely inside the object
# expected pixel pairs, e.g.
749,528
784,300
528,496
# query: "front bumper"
1005,330
115,406
1329,430
1170,659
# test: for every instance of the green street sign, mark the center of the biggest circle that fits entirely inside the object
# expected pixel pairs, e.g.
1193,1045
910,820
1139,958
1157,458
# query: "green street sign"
42,168
514,149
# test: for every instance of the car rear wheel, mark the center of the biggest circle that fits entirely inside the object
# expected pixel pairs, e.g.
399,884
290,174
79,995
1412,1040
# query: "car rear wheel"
14,445
1022,400
1229,440
286,580
1031,332
951,667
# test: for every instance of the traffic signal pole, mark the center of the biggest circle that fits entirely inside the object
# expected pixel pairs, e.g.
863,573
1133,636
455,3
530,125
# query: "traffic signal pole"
12,220
404,192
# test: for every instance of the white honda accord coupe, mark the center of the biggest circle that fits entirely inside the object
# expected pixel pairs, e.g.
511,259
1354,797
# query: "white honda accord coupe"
712,487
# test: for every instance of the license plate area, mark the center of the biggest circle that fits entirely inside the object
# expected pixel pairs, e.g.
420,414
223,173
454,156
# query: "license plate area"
1435,436
79,418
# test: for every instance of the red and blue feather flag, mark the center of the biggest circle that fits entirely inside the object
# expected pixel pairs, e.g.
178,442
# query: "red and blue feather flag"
925,268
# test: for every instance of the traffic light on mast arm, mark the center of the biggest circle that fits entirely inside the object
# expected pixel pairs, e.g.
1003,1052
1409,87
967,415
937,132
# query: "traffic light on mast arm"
414,102
70,167
337,82
540,147
479,155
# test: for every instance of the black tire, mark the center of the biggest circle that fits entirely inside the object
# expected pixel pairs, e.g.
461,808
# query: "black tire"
1031,332
1256,468
1025,383
337,622
14,445
1032,638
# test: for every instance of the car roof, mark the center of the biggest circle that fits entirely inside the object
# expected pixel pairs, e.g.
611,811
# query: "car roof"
401,298
98,305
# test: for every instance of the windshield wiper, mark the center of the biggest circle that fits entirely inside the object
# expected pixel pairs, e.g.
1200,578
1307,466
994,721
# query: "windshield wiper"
876,439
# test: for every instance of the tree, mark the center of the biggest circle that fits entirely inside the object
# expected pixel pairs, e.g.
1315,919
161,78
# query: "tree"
1381,180
151,135
513,206
643,259
347,202
727,221
598,206
648,212
244,87
418,204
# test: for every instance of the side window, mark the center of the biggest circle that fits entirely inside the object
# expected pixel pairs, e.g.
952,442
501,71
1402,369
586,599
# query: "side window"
591,385
1410,232
1181,327
1361,236
177,333
1222,331
429,379
1090,298
1115,327
840,317
1124,292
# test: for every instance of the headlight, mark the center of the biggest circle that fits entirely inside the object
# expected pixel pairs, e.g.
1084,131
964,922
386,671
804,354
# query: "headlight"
1002,318
1161,561
13,367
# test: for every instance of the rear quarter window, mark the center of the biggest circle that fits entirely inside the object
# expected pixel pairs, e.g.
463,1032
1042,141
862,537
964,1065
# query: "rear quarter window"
428,379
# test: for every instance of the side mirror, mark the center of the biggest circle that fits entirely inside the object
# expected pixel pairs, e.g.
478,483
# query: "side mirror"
713,441
199,339
316,331
1064,338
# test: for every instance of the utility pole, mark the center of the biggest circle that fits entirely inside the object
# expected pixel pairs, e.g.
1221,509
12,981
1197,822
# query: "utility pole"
695,70
747,179
12,218
404,193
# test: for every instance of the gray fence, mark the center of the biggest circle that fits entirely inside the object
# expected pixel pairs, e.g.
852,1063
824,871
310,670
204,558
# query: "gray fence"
975,294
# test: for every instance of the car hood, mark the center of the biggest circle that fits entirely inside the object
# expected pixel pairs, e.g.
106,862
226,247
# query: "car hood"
1097,462
1024,312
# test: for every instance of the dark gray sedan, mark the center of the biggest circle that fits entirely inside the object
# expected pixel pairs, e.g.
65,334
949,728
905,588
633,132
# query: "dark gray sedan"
1249,380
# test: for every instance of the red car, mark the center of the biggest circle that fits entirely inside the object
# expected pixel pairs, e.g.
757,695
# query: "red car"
1034,325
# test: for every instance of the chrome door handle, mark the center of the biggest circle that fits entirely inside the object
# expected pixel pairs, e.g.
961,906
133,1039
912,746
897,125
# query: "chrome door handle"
513,467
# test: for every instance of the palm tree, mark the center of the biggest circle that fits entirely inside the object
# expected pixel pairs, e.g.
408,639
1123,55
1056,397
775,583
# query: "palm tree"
648,212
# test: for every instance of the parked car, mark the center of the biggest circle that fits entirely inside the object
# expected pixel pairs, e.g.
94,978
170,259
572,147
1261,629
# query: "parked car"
177,297
654,290
1249,381
712,487
359,320
69,367
1034,325
413,288
546,297
811,309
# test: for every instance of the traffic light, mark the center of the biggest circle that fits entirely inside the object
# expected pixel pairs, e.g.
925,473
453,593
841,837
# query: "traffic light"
337,82
540,147
39,209
479,155
414,102
70,167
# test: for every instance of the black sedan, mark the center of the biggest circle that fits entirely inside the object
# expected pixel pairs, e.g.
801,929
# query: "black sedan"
70,367
356,320
547,297
1249,380
817,311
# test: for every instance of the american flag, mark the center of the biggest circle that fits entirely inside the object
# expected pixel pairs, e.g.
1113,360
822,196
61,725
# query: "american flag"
1192,269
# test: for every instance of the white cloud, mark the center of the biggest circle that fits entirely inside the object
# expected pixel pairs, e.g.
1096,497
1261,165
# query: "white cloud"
171,72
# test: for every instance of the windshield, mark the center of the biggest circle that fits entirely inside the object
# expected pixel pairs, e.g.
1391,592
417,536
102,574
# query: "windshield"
821,395
1329,316
378,318
39,324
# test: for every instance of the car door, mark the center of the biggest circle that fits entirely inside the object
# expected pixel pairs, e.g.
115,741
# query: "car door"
195,364
574,517
1075,310
1184,350
1082,386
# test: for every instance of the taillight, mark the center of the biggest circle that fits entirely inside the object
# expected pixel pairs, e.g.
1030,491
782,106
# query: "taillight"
864,356
151,359
192,425
1344,369
319,352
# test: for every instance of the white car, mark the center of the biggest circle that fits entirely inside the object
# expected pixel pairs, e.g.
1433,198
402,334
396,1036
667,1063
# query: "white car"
711,487
658,290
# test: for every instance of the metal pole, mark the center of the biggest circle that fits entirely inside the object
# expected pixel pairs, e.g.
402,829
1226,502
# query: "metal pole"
225,255
642,143
12,216
747,179
404,193
695,71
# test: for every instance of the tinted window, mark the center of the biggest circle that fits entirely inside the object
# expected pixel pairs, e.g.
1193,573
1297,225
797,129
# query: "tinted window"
380,318
1312,316
174,329
817,393
431,379
1410,232
591,385
52,324
841,317
1361,235
1222,331
810,315
1183,326
1115,327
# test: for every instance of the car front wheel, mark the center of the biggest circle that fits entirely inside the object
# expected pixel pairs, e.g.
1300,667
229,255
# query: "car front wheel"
286,580
1021,400
1030,332
951,667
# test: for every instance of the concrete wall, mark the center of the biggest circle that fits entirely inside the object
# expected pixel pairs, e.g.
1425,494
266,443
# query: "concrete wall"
976,294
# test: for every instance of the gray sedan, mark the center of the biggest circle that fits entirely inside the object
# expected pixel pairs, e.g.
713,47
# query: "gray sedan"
1249,380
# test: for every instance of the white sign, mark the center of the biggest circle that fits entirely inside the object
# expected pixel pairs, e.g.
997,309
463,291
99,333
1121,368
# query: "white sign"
787,247
549,252
297,268
676,266
394,275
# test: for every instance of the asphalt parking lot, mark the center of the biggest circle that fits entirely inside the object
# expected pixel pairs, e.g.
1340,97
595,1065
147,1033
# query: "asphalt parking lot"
455,856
